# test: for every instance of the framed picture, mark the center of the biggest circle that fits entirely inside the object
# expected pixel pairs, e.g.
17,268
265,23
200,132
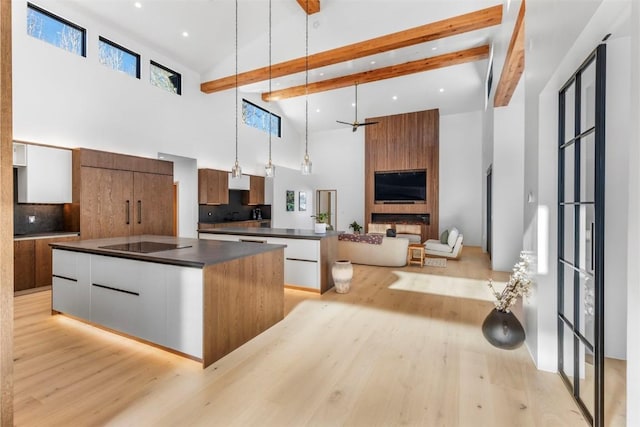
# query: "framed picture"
302,201
291,201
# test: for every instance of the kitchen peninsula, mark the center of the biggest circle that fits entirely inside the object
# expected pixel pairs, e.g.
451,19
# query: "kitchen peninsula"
308,256
200,298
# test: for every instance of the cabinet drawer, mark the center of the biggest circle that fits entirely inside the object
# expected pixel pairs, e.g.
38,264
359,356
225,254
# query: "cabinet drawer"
302,249
301,273
115,308
71,292
223,237
118,273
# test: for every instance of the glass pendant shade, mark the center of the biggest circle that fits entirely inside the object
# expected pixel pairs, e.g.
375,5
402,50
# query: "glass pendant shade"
269,170
306,165
236,171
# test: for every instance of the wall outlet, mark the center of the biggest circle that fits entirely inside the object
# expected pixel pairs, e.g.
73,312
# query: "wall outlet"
32,219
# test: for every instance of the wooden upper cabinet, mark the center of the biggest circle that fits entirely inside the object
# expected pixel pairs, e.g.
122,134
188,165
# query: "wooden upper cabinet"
255,195
213,187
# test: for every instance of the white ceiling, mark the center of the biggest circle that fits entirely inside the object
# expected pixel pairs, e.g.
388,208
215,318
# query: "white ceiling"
210,47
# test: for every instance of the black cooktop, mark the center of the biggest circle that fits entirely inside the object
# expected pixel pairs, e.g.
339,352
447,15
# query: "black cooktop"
145,247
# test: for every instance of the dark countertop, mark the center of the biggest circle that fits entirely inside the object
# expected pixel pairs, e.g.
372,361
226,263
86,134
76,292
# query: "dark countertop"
288,233
199,254
49,235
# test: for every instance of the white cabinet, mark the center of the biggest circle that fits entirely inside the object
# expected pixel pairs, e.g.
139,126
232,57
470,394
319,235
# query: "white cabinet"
19,154
128,296
159,303
302,259
71,283
184,320
241,183
46,177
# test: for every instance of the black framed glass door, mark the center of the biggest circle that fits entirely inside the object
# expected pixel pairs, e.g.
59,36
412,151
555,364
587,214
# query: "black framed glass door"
581,141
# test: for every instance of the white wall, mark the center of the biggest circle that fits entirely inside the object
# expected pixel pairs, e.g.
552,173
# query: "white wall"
338,164
66,100
276,189
618,128
633,268
508,183
461,175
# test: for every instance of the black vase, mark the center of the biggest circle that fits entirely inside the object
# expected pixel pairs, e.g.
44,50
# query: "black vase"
503,330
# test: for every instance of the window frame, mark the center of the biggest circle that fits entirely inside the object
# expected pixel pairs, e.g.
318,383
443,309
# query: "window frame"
122,48
279,133
153,63
51,15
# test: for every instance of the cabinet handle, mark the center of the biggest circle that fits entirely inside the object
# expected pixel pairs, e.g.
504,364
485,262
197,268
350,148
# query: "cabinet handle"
116,289
139,211
253,241
128,209
300,259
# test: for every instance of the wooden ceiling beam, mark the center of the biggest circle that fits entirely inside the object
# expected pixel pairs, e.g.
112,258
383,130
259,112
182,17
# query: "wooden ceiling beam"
513,63
436,30
310,6
426,64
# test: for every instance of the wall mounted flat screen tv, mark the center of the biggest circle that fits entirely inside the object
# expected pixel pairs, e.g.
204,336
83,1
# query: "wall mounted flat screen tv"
409,186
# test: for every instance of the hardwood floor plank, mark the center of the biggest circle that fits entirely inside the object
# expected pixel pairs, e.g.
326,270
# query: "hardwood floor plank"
378,355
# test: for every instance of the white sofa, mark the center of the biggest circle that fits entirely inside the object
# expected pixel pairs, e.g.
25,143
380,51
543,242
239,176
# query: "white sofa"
392,252
451,249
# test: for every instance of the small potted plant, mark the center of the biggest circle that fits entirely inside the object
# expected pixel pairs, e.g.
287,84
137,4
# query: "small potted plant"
321,222
357,228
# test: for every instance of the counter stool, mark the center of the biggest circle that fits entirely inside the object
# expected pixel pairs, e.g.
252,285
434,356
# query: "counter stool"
415,254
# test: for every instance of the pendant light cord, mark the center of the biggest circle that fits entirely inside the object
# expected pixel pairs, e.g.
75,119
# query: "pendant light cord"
236,82
306,85
270,114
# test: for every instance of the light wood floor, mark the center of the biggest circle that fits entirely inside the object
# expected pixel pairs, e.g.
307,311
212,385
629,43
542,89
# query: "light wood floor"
373,357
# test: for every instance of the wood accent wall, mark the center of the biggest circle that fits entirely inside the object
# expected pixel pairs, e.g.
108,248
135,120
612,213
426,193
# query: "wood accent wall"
403,142
6,218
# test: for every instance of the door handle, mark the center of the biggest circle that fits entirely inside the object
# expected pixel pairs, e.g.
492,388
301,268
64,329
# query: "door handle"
128,211
139,211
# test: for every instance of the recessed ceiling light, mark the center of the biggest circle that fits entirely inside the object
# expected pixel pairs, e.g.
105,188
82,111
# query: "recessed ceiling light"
434,48
138,4
373,62
353,104
441,89
317,110
321,74
185,34
394,97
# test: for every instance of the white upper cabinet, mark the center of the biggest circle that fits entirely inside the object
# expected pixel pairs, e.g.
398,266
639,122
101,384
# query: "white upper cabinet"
19,154
242,183
46,177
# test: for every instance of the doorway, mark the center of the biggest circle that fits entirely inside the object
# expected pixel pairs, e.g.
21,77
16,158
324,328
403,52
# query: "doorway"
326,201
581,178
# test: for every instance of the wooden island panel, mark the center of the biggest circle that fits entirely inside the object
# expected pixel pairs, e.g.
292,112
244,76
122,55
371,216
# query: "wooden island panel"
242,298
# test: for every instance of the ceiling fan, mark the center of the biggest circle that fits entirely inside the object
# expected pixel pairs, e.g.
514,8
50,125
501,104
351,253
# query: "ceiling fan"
355,123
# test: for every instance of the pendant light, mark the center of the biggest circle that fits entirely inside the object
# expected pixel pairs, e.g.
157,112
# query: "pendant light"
236,170
306,163
270,169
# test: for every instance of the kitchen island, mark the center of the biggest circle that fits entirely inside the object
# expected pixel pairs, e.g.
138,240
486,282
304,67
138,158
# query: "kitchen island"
309,256
202,299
